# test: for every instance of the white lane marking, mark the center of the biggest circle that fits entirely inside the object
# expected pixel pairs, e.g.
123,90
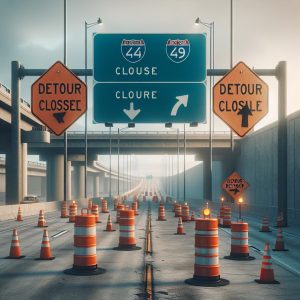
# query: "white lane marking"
59,234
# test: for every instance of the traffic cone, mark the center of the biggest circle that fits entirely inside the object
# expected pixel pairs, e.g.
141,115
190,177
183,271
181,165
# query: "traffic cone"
279,245
180,229
279,220
15,250
109,226
41,221
45,253
19,217
265,225
266,271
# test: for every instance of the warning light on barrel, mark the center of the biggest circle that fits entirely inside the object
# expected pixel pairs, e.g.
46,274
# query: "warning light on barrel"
240,201
206,212
222,200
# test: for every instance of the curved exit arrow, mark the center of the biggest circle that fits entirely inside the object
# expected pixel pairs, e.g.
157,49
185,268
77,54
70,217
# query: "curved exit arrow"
182,100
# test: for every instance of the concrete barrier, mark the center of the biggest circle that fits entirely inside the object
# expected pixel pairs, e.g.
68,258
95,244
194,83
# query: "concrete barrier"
8,212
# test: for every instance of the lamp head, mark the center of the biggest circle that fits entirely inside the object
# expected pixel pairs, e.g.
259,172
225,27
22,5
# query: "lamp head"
197,21
99,21
240,200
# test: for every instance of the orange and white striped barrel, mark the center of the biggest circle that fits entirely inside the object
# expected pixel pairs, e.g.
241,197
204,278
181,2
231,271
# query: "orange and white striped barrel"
104,208
161,213
127,229
227,217
239,239
90,204
64,210
134,207
95,212
185,212
72,212
206,250
206,267
178,211
85,241
116,202
221,214
174,204
119,208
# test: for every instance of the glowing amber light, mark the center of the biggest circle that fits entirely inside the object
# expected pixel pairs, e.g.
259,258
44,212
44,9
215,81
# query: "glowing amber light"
240,200
206,212
222,199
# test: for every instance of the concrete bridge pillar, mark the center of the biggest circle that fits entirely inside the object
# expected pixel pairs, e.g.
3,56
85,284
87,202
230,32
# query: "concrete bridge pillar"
106,185
101,182
55,177
96,185
12,195
79,180
43,187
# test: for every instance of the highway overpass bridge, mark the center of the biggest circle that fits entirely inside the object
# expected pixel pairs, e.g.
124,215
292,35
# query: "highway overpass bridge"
33,138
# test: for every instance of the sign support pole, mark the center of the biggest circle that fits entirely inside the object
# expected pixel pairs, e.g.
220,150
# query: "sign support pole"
282,142
110,162
177,164
118,161
184,140
13,159
231,62
66,133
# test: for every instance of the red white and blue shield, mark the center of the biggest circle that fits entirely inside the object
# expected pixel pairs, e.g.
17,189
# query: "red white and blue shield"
133,50
178,50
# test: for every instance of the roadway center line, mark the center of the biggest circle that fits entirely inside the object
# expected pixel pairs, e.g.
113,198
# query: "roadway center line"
56,235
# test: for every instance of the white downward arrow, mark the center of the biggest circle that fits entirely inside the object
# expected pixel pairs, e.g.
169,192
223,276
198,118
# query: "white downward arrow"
182,100
131,113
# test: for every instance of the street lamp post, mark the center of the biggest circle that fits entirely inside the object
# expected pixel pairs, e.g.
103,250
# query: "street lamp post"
86,26
211,27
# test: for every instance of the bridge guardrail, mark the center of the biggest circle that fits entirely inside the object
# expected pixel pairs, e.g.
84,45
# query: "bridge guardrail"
148,132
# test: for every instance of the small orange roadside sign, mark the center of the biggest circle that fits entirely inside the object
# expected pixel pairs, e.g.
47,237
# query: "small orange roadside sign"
235,185
240,99
58,98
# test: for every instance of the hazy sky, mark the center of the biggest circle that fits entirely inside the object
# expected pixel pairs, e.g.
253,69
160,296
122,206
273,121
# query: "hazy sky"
265,32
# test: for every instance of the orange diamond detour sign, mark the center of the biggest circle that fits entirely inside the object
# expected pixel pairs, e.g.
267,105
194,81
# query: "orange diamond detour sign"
58,98
240,99
235,185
